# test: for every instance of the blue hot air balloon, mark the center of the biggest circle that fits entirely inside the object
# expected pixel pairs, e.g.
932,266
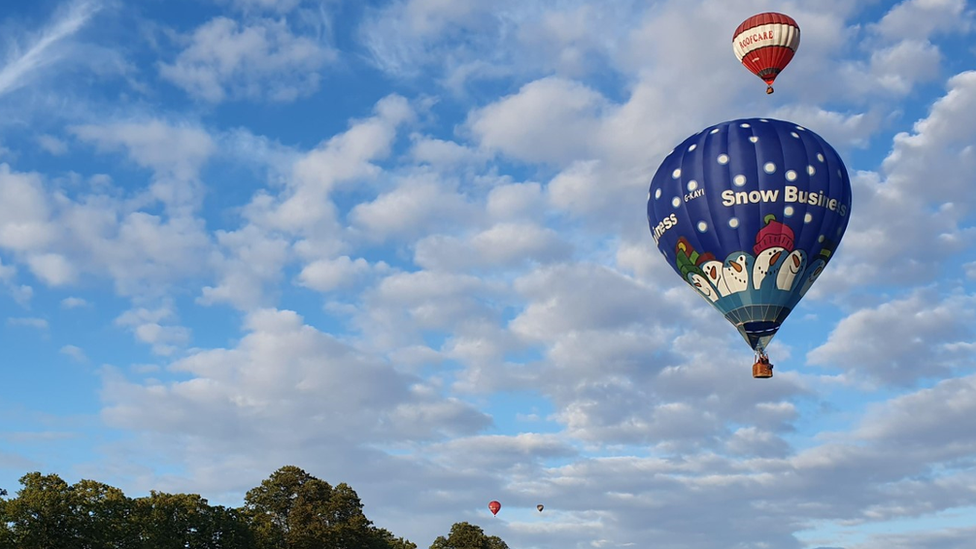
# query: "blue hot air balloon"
748,212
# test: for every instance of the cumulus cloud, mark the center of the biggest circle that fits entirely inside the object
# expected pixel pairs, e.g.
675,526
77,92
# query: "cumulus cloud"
499,247
419,204
53,269
153,327
176,149
901,341
327,275
232,399
913,212
919,19
306,207
25,216
263,59
52,144
248,261
75,352
549,120
142,254
494,317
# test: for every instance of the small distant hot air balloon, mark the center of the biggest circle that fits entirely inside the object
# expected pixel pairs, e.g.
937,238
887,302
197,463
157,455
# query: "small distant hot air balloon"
540,507
494,507
765,44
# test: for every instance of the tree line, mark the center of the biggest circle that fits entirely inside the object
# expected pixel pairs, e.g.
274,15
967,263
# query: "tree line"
291,509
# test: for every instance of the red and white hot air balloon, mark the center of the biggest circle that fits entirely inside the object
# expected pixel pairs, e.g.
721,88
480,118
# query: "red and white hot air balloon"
765,44
494,507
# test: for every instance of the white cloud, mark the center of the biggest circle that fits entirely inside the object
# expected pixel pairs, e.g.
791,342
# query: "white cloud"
498,323
920,19
398,35
439,152
280,6
52,144
30,322
912,215
465,43
249,261
143,254
516,201
549,120
25,212
306,207
943,538
930,420
328,275
261,59
421,203
148,326
168,149
53,269
577,297
73,302
282,369
901,66
75,352
902,341
402,307
501,246
347,156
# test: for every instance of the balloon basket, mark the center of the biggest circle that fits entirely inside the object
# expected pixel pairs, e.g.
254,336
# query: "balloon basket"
762,369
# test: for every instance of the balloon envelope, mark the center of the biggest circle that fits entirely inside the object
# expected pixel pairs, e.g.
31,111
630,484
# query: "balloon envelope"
494,507
765,43
748,212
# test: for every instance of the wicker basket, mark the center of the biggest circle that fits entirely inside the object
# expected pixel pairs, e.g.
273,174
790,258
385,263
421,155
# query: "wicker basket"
762,369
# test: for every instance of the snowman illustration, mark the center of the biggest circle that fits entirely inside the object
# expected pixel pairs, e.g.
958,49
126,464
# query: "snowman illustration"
689,262
713,272
812,274
817,265
788,277
736,271
774,242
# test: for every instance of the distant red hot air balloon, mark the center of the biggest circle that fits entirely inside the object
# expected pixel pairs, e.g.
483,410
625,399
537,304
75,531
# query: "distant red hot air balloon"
494,507
765,44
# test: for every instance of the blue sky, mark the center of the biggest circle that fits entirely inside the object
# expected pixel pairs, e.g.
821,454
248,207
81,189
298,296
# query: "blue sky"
403,245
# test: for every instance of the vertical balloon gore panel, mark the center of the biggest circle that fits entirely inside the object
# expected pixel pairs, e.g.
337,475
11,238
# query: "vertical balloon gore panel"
748,213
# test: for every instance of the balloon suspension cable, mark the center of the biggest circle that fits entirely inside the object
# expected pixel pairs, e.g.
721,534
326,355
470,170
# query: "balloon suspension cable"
769,90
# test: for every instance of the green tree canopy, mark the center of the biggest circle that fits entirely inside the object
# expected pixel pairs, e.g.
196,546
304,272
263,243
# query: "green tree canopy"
468,536
289,510
294,510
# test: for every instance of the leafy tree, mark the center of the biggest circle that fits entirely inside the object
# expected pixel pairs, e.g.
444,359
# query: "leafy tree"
468,536
41,515
103,516
6,534
384,539
290,510
187,521
230,530
294,510
286,510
